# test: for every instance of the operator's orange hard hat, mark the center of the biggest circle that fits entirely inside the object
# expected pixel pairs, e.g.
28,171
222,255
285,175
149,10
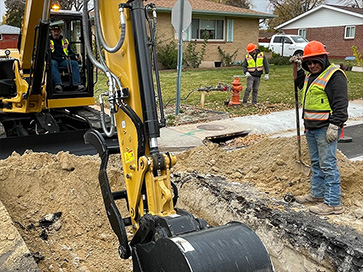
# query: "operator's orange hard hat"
251,47
314,48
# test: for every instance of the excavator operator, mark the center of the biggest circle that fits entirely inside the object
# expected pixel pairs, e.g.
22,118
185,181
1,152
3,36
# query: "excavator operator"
63,56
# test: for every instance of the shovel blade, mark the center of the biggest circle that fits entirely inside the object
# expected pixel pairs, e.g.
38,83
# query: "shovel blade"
303,168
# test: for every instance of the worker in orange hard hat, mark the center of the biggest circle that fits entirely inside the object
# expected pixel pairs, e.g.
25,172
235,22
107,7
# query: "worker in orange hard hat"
253,65
325,104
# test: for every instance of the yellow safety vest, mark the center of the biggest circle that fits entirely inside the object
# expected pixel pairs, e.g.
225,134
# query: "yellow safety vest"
252,64
315,100
65,44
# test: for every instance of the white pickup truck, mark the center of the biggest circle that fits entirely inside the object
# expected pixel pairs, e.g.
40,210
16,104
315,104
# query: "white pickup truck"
287,45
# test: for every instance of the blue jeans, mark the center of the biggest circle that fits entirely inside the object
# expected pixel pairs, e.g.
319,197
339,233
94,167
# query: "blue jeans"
325,180
75,71
253,83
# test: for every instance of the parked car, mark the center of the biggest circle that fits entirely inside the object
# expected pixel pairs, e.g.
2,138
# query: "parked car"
287,45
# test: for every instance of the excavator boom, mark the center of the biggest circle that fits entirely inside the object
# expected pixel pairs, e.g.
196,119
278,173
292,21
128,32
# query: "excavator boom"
165,238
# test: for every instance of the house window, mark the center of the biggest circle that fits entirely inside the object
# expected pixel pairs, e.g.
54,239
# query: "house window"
349,32
302,32
212,29
1,37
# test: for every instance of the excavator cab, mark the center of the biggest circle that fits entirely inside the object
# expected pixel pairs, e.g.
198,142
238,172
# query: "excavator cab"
70,23
32,115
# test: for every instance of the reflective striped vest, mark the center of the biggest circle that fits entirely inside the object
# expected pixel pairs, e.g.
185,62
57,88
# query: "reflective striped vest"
252,65
65,44
315,100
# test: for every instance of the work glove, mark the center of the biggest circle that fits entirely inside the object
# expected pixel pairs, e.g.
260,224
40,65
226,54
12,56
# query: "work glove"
248,74
266,77
296,59
332,133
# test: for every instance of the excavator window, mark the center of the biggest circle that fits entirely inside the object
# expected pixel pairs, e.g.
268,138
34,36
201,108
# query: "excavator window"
71,26
7,84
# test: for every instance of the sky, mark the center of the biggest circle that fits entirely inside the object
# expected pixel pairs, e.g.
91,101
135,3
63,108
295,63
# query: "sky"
2,9
260,5
264,5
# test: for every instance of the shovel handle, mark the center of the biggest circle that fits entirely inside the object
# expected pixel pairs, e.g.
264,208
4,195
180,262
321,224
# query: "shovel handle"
294,70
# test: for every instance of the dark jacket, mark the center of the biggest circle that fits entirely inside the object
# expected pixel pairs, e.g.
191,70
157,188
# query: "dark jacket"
256,73
336,90
58,54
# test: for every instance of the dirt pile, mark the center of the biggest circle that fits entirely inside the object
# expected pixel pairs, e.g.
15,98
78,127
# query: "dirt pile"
34,185
270,165
37,184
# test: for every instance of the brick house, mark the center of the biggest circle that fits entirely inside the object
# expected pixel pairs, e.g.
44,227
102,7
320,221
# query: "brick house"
8,36
337,27
229,27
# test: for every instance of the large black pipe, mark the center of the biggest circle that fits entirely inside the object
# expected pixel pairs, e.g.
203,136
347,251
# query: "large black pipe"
144,69
230,248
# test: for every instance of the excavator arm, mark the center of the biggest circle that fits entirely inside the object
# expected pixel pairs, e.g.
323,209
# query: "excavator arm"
165,238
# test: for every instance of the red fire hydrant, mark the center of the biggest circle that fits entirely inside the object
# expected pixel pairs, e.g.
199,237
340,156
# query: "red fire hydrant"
236,89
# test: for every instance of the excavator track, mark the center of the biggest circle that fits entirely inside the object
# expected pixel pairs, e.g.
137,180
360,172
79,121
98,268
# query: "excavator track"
18,134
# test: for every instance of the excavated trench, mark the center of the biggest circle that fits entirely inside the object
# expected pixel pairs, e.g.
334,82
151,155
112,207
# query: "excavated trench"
246,185
295,239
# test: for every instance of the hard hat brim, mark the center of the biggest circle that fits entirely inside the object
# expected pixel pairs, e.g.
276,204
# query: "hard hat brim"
55,27
249,51
314,54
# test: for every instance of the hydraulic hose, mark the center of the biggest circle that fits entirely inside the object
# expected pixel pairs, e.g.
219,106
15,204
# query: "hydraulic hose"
87,39
139,125
105,65
152,29
110,132
98,65
100,34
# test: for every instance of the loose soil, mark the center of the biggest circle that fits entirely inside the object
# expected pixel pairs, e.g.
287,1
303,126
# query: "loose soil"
34,185
271,166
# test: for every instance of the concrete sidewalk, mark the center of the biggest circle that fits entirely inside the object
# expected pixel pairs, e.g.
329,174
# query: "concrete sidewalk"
276,124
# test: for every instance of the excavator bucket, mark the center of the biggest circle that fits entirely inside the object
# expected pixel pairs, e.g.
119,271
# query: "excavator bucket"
179,242
233,247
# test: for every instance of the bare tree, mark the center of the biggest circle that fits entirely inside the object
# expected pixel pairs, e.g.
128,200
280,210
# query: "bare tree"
247,4
71,4
15,9
352,3
239,3
288,9
14,12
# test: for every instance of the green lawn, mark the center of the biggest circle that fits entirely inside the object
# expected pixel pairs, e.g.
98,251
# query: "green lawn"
275,94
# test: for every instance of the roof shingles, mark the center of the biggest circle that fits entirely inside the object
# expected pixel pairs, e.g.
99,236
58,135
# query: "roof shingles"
351,9
203,5
7,29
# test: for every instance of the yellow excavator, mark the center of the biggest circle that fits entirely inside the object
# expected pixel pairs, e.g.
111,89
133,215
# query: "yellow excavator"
165,238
